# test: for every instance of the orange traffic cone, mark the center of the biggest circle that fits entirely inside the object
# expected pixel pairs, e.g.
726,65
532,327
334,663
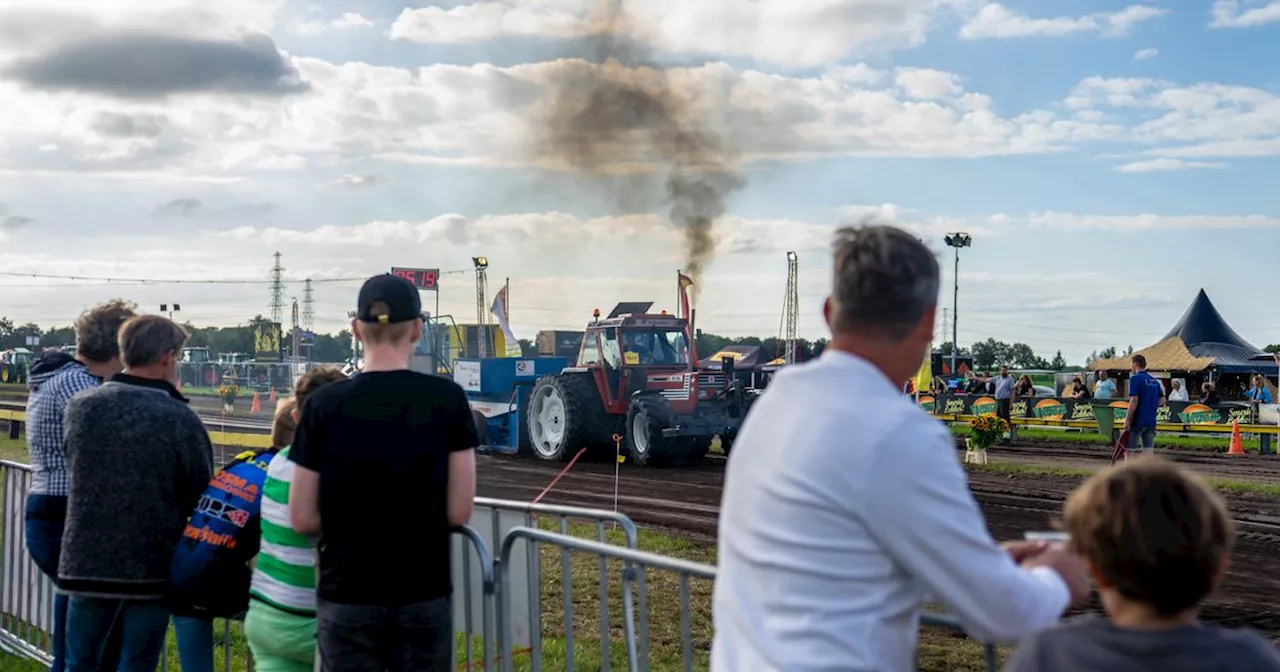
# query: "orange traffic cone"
257,404
272,398
1237,446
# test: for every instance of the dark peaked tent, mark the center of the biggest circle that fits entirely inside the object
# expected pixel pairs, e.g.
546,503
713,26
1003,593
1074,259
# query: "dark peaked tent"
744,357
1208,335
1201,340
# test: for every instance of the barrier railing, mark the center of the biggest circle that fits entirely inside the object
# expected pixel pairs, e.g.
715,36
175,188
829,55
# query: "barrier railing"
532,579
26,594
635,564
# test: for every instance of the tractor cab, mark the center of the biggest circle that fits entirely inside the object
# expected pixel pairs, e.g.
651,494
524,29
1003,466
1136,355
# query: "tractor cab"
633,351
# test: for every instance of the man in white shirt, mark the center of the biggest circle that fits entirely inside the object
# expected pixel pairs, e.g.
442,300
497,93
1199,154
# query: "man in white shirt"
845,506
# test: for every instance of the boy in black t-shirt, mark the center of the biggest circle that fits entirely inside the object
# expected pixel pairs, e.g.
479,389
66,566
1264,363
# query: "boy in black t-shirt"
385,470
1156,539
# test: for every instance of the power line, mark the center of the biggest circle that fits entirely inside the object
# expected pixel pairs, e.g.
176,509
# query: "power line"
169,281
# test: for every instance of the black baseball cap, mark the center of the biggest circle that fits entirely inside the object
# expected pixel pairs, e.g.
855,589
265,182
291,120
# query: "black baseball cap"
400,296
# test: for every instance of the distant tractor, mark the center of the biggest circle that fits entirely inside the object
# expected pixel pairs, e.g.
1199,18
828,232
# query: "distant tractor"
636,377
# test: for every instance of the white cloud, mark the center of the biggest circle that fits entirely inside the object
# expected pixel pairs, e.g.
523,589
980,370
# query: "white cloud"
1145,54
359,181
485,115
996,21
856,74
1165,164
781,32
928,84
1150,222
1188,121
1230,14
347,20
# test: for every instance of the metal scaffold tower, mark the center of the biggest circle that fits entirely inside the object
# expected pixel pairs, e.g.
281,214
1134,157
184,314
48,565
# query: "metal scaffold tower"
308,308
791,310
293,339
482,312
277,291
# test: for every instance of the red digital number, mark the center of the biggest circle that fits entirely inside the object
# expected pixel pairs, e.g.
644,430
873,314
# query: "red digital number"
422,278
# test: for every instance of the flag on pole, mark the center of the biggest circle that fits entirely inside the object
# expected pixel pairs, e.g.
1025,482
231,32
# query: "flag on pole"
499,310
925,376
685,282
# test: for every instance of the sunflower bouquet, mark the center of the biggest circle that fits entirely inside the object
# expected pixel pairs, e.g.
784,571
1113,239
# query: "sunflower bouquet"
228,393
986,431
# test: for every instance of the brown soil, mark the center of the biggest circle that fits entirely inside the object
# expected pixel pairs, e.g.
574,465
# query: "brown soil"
686,502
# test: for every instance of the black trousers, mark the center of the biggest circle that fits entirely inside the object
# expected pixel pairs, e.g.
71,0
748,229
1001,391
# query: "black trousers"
1002,408
414,637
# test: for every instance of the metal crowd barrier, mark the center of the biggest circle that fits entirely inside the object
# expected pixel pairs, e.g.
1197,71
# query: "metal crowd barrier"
492,590
635,562
529,516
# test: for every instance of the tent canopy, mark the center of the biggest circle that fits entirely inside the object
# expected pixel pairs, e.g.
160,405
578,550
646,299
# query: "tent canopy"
1199,341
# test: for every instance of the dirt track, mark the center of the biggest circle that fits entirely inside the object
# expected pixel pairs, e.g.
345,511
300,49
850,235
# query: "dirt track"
686,501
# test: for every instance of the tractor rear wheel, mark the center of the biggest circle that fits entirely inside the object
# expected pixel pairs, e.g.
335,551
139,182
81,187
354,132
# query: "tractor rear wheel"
565,414
646,419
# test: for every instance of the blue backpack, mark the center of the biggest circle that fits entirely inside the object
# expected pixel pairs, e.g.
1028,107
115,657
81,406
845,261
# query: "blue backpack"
210,573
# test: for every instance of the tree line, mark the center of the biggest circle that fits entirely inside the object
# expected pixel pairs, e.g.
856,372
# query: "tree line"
337,347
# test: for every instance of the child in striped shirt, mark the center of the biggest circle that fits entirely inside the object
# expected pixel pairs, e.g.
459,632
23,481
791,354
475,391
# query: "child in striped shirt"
280,625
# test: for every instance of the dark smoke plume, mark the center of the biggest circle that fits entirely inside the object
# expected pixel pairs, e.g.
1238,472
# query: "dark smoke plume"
624,116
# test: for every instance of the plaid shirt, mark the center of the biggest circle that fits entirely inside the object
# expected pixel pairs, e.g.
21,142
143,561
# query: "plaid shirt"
45,407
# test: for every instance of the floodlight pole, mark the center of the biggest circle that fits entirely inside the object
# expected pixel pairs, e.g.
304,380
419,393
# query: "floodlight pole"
957,241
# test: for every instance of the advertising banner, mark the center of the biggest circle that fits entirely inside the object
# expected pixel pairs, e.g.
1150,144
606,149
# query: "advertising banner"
266,343
1062,408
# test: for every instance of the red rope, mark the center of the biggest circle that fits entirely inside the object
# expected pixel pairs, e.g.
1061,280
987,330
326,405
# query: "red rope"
558,476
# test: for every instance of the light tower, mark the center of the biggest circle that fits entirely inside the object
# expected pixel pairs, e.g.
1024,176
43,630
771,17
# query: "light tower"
308,308
791,309
277,291
482,315
294,339
956,240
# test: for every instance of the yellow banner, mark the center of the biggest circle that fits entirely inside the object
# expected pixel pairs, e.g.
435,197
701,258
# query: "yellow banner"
925,376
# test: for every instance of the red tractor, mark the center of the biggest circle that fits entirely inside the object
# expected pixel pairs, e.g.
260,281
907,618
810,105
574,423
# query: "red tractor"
637,377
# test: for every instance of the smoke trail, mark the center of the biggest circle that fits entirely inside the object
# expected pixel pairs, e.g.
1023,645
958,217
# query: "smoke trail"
626,116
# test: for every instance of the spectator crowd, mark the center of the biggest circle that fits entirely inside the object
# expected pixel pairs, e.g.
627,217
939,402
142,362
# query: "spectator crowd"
129,518
844,510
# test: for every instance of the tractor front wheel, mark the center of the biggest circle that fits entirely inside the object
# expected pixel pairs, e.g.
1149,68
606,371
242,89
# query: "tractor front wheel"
646,419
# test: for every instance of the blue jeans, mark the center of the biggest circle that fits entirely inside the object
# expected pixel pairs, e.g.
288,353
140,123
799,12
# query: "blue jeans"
46,517
195,643
142,626
1142,440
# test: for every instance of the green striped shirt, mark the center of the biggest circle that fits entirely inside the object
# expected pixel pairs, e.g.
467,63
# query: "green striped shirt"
285,573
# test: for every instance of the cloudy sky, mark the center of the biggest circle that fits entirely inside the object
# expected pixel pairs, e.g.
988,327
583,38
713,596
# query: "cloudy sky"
1109,159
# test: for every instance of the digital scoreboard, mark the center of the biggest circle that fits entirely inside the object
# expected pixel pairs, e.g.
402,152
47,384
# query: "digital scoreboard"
422,278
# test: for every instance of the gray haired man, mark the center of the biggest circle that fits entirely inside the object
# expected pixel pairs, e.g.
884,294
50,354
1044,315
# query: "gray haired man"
845,504
55,378
139,460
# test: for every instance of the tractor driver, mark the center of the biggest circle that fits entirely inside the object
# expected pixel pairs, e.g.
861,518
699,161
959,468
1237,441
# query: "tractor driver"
635,343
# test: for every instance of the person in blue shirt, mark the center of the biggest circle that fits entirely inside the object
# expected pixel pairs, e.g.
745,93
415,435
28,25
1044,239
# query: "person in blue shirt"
1146,396
210,573
1259,391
